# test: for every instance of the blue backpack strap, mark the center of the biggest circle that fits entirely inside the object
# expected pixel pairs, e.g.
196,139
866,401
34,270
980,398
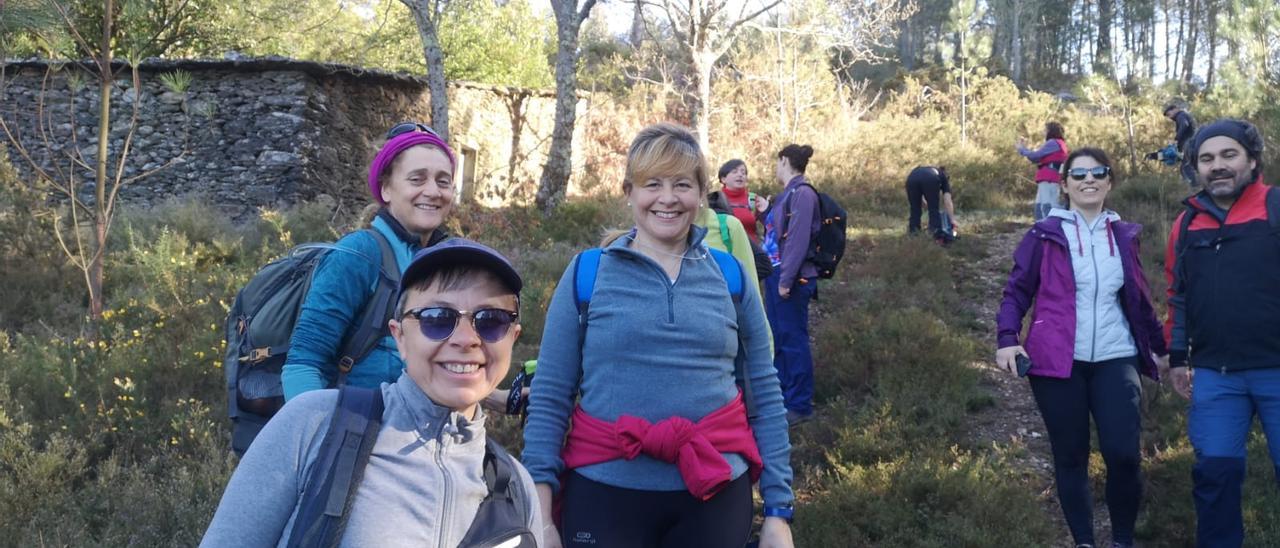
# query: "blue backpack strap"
732,271
371,323
734,278
340,463
584,281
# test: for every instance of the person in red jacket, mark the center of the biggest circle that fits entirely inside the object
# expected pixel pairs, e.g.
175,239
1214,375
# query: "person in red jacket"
747,206
1222,262
1048,159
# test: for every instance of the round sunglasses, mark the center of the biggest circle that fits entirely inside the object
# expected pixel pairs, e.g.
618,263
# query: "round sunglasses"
438,322
406,127
1099,173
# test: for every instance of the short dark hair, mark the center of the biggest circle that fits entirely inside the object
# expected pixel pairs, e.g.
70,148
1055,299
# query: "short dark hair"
1053,130
797,155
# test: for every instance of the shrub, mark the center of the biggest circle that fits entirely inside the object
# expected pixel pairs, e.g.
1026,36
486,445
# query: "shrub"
959,499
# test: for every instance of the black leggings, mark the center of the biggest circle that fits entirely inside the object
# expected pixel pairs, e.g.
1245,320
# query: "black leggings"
598,515
1110,391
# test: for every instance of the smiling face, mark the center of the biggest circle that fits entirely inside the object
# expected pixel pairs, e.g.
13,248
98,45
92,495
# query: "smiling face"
664,207
1090,193
419,188
1223,168
461,370
736,179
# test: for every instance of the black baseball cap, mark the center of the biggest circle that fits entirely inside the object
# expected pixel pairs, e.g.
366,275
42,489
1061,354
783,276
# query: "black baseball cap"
460,251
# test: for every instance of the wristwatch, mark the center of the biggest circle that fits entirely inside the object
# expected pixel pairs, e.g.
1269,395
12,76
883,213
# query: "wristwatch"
785,512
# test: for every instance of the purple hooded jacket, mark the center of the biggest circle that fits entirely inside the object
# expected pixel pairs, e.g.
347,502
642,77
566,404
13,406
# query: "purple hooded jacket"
1042,273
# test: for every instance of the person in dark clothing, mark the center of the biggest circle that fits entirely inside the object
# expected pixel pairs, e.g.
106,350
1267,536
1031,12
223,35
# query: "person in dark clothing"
1184,129
1221,262
927,183
1184,126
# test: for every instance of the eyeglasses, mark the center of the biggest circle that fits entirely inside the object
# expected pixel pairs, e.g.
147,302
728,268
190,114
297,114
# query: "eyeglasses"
1099,173
438,322
406,127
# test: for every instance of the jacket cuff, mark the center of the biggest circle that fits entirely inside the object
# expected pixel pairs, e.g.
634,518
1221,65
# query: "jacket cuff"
1005,341
1177,358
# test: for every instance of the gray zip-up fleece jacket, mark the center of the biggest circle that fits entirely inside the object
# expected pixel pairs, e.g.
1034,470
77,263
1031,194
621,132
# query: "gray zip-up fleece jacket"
653,349
422,486
1102,331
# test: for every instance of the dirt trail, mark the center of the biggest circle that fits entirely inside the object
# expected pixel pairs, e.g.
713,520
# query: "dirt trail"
1014,420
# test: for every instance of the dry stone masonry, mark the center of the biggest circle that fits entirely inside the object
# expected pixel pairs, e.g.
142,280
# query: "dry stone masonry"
265,133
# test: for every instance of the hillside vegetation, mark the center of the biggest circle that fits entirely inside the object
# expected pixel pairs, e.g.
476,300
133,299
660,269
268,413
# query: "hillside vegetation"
121,439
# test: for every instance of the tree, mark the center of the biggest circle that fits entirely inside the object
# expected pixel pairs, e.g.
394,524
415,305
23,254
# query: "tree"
969,44
706,29
426,13
502,45
70,28
555,175
1102,63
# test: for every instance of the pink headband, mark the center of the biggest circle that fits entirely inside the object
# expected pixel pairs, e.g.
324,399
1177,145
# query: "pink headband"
393,148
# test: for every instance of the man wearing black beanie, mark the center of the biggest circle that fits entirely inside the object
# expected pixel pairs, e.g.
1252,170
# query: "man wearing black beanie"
1222,263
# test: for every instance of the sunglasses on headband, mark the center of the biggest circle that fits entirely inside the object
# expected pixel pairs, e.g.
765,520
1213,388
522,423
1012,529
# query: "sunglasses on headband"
406,127
1099,173
438,322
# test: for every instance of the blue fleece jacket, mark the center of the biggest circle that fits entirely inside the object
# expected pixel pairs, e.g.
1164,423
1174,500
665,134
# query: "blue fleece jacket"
341,285
653,349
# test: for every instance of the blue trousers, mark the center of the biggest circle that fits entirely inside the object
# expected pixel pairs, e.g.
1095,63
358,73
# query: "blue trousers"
1222,410
789,319
1111,392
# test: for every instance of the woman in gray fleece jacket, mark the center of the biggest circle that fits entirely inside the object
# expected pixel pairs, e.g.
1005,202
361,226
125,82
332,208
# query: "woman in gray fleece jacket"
661,452
455,326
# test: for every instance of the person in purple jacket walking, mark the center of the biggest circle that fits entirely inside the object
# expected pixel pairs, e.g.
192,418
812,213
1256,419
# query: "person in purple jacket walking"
790,227
1093,331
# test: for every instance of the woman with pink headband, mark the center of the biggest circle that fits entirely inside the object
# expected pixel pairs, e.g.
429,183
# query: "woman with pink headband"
411,178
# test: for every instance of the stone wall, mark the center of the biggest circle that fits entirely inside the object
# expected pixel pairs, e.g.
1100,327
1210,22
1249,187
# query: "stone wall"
271,133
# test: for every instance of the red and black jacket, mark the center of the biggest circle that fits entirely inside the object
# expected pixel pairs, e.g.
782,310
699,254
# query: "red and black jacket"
1224,302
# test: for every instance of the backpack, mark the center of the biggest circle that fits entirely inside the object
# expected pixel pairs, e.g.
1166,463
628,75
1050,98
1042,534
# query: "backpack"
260,324
826,248
501,520
587,266
1273,218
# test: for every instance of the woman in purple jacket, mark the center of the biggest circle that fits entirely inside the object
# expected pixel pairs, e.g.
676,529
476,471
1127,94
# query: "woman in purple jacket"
1093,330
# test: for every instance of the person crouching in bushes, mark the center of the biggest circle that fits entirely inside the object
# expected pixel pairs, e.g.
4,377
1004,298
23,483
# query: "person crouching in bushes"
662,450
1093,331
424,474
929,186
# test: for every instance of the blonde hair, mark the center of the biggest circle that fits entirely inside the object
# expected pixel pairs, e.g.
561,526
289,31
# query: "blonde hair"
662,149
665,149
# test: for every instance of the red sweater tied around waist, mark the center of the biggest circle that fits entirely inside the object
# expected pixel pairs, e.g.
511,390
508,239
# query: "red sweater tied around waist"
695,448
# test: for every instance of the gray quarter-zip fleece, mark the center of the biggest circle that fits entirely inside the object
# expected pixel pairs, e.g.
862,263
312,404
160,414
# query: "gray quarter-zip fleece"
422,486
1102,331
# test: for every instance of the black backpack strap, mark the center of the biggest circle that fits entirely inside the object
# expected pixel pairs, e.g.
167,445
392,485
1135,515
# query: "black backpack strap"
503,516
330,488
1181,245
371,323
1273,206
